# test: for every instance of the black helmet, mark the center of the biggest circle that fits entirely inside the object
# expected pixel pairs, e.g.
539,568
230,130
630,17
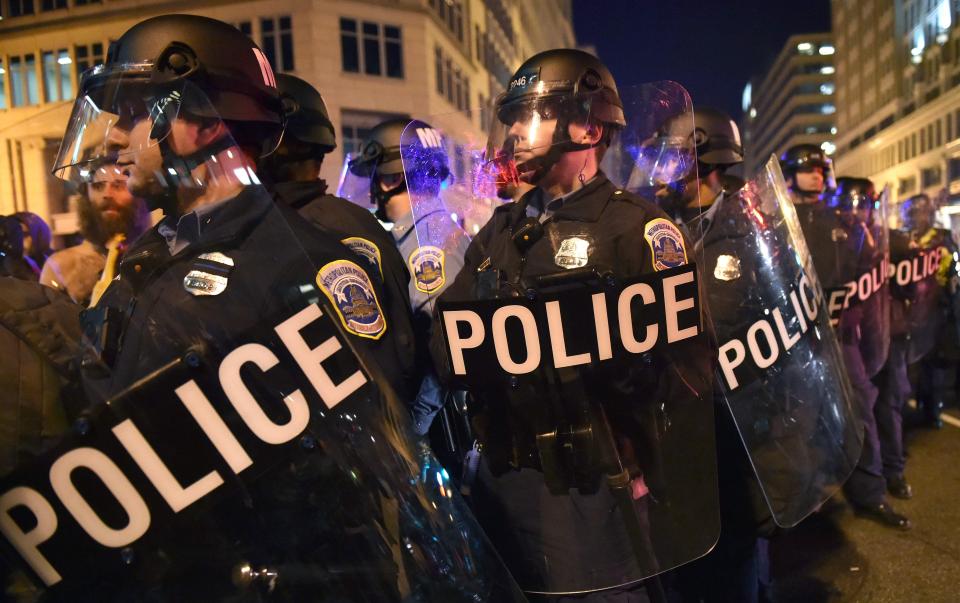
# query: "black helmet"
305,113
853,194
221,60
380,156
803,156
564,74
918,212
380,150
717,138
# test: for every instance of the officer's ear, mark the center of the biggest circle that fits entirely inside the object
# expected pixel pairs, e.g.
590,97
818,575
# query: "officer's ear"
592,133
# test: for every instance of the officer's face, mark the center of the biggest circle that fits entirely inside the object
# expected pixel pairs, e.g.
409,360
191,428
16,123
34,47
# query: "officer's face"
532,135
810,180
146,164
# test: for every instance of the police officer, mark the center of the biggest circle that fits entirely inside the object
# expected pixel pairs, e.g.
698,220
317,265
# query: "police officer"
559,116
380,160
932,313
841,250
732,571
717,140
189,102
291,174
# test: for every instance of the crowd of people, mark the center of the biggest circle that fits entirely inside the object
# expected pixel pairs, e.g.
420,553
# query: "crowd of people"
635,372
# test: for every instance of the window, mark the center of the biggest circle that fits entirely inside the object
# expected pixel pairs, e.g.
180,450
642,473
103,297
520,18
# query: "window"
3,87
923,140
949,126
452,84
23,81
20,7
953,169
88,56
373,49
85,2
939,134
355,126
245,27
930,177
451,14
57,85
52,4
276,41
906,185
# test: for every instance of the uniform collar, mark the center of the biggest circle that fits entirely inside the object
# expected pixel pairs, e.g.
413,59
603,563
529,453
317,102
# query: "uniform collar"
583,205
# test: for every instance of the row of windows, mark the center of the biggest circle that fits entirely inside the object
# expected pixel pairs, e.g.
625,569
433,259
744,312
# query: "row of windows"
371,48
276,40
451,14
19,8
57,69
452,83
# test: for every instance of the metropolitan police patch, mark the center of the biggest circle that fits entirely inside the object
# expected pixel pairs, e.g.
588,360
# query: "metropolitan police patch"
666,243
349,288
367,249
427,266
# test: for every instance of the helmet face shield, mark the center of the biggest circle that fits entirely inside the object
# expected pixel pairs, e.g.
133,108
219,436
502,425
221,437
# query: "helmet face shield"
117,115
532,132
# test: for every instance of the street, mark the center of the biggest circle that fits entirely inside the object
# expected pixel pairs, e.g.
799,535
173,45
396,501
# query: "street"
836,556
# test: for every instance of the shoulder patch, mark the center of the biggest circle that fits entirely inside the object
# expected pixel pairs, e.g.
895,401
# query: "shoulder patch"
350,291
427,264
365,248
666,244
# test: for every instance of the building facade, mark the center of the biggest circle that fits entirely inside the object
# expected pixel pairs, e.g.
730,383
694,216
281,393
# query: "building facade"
792,103
371,60
898,94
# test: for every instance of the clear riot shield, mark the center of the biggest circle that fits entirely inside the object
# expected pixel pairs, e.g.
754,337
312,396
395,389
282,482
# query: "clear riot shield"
242,440
780,366
861,305
583,344
352,187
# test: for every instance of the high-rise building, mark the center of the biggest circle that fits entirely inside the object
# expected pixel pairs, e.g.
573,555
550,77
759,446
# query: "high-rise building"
792,103
898,93
371,59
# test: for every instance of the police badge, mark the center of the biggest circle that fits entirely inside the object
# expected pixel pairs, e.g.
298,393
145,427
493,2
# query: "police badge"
367,249
427,266
350,291
208,274
666,243
573,253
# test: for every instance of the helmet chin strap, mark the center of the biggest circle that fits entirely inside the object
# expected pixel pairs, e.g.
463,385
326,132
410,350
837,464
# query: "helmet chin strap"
382,197
561,144
178,170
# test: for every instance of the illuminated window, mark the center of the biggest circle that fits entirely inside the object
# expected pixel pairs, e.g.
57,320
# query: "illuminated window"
805,48
827,70
3,88
88,56
827,88
23,81
57,85
827,50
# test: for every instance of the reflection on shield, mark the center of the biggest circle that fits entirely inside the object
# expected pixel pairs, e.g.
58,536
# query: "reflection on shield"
780,366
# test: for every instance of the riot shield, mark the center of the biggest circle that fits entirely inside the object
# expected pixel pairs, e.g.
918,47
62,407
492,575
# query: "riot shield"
860,306
582,342
780,366
242,440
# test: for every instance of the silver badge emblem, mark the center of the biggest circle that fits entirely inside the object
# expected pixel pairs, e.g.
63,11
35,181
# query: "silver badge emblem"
573,253
209,276
838,235
727,268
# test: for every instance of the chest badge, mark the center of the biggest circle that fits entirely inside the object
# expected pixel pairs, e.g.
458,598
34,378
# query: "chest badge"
427,266
573,253
666,244
350,291
366,249
838,235
209,274
727,268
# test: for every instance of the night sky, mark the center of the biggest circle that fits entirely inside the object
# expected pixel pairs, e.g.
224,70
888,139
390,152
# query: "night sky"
712,47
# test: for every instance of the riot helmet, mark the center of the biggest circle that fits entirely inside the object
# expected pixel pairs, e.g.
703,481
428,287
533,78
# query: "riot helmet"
854,196
806,159
918,213
308,133
549,93
380,162
194,69
717,138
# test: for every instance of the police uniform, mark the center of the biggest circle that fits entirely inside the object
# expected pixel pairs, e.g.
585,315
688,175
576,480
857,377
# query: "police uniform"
840,254
597,225
363,234
234,266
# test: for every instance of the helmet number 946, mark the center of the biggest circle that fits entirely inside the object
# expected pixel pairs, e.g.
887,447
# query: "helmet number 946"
524,80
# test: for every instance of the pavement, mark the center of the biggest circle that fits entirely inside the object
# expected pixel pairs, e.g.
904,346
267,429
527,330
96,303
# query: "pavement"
834,556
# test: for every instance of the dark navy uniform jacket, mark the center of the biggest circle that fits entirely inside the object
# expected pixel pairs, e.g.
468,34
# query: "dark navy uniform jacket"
359,230
577,538
275,256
